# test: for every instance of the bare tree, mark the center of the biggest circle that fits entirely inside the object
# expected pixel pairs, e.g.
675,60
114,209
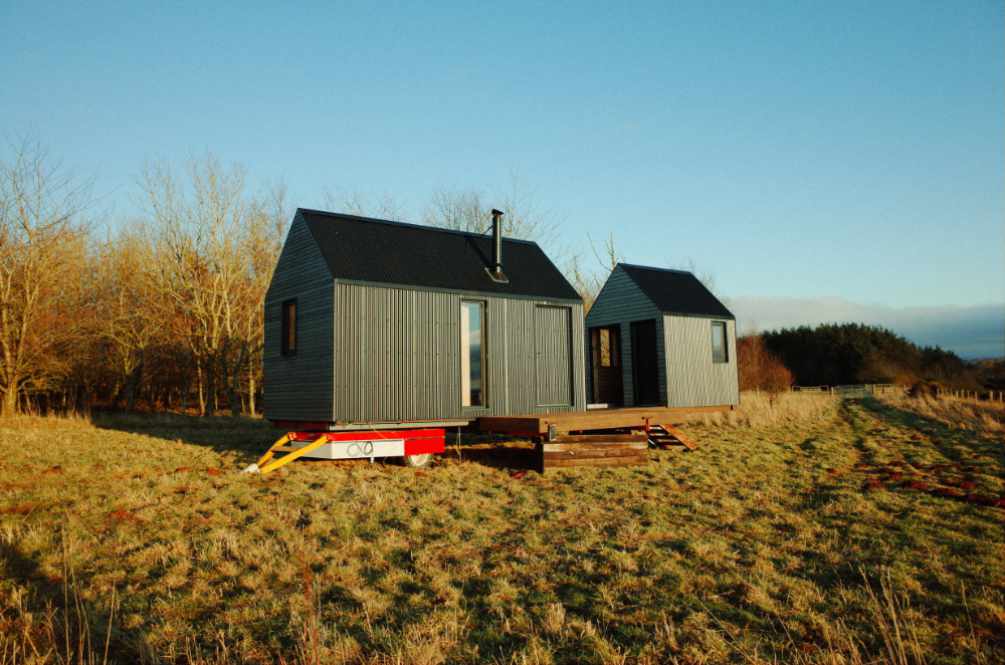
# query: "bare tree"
608,256
458,210
470,211
41,242
127,294
202,228
586,281
266,227
214,252
356,203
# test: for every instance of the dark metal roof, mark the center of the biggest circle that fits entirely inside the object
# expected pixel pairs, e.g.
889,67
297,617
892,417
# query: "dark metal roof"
376,250
676,291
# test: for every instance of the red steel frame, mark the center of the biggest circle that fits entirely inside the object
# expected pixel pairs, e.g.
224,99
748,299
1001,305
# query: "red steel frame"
417,441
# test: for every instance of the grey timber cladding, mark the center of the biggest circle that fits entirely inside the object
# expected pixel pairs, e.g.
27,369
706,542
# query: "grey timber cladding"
619,303
694,380
398,354
299,387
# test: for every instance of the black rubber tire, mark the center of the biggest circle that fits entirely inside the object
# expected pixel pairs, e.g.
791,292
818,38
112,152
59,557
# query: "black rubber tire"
417,461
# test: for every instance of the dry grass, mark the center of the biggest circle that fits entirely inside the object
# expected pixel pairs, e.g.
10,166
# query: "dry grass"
815,532
984,417
760,409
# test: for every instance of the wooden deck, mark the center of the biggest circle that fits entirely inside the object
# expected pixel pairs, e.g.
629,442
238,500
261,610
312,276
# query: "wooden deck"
565,422
585,438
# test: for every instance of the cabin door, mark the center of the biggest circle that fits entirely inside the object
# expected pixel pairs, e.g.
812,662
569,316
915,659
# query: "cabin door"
553,355
605,357
645,379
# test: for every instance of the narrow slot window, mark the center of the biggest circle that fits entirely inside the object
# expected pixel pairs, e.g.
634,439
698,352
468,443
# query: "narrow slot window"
472,353
605,347
720,352
289,332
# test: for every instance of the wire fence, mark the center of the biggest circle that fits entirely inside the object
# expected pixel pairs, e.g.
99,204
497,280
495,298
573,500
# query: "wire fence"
858,391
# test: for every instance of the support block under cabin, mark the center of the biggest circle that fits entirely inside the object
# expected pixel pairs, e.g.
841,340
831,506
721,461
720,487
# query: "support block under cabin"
593,450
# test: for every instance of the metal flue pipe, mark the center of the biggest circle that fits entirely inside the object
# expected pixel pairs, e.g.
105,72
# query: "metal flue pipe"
497,243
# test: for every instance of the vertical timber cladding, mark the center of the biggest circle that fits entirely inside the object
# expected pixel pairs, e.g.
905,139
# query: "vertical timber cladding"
299,387
619,303
553,355
395,353
398,354
694,379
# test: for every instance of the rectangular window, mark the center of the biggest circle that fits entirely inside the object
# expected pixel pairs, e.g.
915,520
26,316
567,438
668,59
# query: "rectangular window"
472,353
605,347
289,334
720,352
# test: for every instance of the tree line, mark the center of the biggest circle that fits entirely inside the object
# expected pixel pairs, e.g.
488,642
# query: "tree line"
165,312
852,353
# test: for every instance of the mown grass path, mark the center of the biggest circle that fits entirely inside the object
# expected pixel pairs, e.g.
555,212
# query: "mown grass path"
758,546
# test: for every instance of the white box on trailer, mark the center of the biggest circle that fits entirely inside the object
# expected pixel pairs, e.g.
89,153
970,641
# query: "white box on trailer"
361,449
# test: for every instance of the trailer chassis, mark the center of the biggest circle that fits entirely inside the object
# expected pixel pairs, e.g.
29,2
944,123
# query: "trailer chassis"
415,446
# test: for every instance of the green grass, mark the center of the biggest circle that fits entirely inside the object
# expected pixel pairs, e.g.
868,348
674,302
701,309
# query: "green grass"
786,539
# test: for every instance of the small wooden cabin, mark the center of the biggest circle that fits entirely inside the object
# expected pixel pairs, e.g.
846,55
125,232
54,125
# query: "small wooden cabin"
372,321
659,337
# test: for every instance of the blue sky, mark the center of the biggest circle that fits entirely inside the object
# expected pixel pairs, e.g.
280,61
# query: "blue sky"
803,150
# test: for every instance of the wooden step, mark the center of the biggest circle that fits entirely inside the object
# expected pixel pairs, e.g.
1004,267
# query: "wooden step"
550,447
677,436
599,438
633,460
604,449
594,453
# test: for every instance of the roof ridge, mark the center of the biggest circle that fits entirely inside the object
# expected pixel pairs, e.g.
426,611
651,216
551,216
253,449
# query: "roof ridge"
676,291
412,225
679,271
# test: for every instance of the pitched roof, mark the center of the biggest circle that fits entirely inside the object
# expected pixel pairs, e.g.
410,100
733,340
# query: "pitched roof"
676,291
377,250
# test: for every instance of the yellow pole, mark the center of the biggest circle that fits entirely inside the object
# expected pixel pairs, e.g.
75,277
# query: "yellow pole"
300,452
255,468
283,440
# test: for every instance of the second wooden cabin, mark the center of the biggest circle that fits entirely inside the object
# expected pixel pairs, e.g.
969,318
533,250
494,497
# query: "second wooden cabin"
660,337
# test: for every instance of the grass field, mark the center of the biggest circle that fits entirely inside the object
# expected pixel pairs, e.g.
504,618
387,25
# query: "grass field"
807,530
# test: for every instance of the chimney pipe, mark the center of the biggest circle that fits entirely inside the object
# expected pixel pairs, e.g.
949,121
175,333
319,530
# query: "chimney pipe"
497,271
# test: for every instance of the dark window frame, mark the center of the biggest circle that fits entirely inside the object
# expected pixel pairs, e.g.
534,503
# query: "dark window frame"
724,358
288,341
483,392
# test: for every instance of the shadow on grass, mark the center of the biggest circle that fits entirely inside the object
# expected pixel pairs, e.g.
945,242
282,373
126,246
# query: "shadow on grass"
496,456
954,444
248,436
885,465
70,625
